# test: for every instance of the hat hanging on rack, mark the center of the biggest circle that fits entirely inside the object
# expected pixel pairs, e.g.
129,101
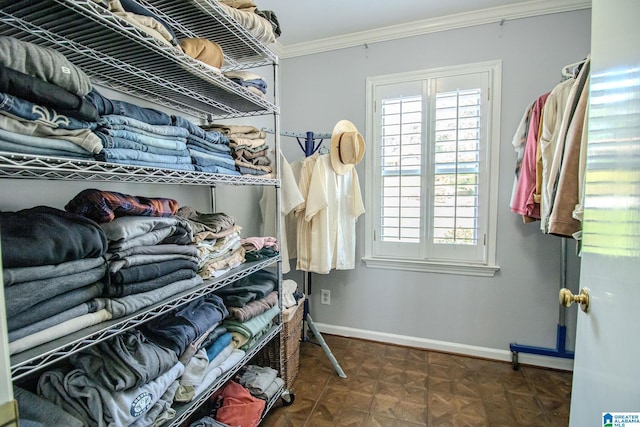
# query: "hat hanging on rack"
347,147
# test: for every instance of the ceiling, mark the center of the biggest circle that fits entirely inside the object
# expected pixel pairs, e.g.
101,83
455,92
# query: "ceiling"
305,21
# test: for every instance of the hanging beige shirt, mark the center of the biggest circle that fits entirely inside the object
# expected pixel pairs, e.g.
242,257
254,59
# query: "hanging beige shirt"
290,198
333,205
303,170
550,128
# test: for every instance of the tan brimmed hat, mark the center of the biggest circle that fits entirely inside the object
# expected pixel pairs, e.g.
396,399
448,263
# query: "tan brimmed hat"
347,147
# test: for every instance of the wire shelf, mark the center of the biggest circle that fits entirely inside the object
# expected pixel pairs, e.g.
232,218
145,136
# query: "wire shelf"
117,54
14,165
209,20
29,361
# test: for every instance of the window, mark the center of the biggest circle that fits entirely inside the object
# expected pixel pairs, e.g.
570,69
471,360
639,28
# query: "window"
431,189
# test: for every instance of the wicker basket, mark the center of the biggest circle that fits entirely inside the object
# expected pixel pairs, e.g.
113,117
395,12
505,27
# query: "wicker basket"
287,346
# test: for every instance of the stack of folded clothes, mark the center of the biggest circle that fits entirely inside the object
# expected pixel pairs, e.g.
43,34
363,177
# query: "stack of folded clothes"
248,148
143,19
131,141
127,380
209,150
43,105
195,334
150,255
251,81
263,25
217,240
250,322
53,265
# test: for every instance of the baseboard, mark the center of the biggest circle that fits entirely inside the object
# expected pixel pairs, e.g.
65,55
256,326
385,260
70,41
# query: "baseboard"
448,347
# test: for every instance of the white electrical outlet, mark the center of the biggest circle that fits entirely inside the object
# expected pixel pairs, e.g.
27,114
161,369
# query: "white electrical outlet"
325,296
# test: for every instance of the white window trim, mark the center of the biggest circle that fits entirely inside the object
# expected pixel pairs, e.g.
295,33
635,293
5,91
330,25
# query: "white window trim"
489,268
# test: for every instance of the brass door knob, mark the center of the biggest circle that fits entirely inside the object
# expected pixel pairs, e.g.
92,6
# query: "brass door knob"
567,297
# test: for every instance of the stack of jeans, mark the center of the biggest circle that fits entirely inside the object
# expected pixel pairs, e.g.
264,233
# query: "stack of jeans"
130,141
209,150
53,267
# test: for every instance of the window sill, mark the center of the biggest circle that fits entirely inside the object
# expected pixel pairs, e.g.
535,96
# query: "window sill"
433,267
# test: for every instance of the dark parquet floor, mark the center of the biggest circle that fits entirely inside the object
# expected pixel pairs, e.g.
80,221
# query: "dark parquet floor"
392,386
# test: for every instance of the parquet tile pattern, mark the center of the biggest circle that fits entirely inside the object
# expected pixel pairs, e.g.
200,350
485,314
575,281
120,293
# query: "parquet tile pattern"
393,386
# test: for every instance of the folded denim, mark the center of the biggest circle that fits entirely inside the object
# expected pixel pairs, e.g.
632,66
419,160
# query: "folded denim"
106,106
220,149
116,142
220,140
40,143
259,84
83,138
111,120
250,171
211,159
45,152
217,169
122,154
175,166
15,107
44,63
132,134
56,305
50,95
188,125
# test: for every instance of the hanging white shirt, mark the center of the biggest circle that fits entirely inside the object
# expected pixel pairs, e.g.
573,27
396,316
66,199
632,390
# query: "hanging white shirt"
289,199
333,204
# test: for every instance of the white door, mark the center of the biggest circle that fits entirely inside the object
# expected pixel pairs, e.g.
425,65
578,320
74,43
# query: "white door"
606,375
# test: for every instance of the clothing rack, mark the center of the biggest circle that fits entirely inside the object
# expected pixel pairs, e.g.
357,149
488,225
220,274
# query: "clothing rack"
561,329
569,70
310,147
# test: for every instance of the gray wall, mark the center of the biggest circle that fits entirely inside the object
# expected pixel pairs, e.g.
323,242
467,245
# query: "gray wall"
519,304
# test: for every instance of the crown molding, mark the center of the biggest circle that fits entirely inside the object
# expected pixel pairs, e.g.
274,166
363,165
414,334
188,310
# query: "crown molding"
425,26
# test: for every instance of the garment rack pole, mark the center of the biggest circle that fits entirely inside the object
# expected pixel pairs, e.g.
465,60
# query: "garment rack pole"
309,147
561,331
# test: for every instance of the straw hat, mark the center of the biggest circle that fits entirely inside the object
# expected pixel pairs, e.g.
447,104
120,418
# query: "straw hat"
347,147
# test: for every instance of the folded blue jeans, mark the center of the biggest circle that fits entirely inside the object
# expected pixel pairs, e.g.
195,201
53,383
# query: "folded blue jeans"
107,106
114,121
114,154
19,108
116,142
